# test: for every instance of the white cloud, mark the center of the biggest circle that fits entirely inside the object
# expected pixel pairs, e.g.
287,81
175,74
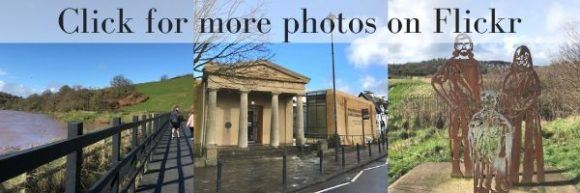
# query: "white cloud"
543,38
377,86
560,16
16,89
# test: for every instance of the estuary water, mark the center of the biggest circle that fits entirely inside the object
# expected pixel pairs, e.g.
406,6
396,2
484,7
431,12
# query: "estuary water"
22,130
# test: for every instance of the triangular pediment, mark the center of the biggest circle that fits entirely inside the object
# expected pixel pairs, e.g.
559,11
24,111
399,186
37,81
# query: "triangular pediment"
264,70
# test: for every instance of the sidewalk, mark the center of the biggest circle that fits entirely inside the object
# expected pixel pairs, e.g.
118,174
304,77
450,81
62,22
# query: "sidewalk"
435,177
264,175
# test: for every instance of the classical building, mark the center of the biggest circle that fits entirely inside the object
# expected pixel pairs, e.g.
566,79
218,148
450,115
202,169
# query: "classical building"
356,117
249,103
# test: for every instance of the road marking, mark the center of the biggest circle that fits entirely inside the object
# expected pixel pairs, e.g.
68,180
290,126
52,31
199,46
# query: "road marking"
356,177
375,167
353,180
334,187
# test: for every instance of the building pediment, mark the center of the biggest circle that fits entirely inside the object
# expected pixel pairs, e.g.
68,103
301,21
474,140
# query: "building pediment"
261,70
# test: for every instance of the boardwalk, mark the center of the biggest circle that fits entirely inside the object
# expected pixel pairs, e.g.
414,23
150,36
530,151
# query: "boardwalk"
171,166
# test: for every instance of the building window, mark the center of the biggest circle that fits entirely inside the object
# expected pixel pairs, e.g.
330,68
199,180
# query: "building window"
315,114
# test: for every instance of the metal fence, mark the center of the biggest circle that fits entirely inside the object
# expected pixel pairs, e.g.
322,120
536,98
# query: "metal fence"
124,169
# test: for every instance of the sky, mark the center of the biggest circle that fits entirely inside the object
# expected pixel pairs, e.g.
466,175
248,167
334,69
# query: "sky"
32,68
544,29
361,60
314,61
37,21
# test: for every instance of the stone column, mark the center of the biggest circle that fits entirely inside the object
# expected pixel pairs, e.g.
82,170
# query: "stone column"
300,121
243,131
275,129
211,113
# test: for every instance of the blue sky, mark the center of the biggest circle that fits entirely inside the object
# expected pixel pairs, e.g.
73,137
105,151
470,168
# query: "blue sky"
314,61
33,68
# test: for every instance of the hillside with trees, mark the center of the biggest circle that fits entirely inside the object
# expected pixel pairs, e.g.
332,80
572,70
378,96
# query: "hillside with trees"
7,99
121,95
429,67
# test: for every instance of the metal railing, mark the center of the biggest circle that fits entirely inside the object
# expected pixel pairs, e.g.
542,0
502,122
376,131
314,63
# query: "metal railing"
124,169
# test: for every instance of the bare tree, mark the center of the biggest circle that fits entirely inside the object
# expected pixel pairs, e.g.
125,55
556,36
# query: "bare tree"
226,48
565,71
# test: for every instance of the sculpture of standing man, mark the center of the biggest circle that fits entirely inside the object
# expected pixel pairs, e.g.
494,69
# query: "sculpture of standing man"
459,83
520,92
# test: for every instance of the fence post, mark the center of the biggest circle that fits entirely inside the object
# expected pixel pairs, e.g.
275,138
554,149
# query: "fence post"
387,146
321,153
149,125
116,156
143,128
155,122
144,136
343,161
74,160
134,141
219,177
284,174
357,153
370,149
379,145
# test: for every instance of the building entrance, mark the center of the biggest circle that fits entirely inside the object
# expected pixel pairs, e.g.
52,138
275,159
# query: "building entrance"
254,124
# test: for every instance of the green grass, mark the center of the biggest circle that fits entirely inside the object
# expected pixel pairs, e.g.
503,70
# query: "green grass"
400,88
409,148
561,136
164,94
429,150
562,145
409,87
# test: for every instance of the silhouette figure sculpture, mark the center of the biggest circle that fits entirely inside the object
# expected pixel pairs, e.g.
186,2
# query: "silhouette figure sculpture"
490,137
458,82
520,92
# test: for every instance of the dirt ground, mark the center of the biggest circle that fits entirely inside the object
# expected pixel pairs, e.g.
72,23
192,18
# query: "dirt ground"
435,177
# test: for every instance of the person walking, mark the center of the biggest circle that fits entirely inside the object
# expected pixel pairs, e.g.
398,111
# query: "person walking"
175,120
191,124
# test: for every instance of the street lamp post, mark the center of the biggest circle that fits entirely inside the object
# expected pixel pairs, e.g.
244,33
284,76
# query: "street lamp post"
336,136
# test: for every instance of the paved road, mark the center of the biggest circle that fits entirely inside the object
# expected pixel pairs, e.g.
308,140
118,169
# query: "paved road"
171,166
369,179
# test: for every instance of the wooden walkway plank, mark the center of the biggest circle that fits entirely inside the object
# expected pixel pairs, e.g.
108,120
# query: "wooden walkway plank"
171,166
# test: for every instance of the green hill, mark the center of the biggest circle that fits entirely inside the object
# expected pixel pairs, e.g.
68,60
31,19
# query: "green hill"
164,94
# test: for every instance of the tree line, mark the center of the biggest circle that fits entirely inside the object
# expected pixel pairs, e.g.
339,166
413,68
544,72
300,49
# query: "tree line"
121,92
429,67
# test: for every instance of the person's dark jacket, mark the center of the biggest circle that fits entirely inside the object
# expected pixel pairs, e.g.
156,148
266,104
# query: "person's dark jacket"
174,117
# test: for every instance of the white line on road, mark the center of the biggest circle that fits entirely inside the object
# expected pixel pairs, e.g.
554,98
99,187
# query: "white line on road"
353,180
356,177
334,187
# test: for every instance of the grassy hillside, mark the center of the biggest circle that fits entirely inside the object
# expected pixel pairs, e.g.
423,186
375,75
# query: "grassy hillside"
411,142
164,94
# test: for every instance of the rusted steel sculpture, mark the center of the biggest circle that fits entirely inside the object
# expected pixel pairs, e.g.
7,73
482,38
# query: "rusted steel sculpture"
459,82
490,137
520,92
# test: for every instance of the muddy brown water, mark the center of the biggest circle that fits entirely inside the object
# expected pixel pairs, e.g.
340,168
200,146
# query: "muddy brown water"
21,130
